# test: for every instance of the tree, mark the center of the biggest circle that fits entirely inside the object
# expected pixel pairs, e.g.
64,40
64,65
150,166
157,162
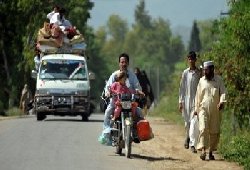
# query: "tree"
177,49
149,43
117,28
195,44
208,34
18,32
231,54
154,46
112,37
95,58
78,13
142,18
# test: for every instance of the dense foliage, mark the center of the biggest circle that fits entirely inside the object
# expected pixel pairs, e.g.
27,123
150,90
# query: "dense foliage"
234,147
149,43
231,54
226,41
19,24
195,43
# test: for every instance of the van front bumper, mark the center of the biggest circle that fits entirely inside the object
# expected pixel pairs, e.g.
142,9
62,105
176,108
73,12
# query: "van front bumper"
62,104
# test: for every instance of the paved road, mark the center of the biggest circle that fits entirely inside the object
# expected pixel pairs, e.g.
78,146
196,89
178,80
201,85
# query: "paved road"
59,143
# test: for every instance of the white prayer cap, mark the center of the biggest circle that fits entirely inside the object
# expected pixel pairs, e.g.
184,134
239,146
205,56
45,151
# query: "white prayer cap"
208,63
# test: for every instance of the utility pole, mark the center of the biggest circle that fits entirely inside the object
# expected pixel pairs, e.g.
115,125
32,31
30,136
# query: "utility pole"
224,13
157,84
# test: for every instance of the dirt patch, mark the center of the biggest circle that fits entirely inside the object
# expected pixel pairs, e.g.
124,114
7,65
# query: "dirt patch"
166,150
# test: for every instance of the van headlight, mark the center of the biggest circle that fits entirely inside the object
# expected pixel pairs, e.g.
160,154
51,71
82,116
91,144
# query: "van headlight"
82,92
43,99
42,91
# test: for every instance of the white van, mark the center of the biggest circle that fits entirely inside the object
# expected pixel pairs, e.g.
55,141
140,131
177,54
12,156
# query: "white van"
62,86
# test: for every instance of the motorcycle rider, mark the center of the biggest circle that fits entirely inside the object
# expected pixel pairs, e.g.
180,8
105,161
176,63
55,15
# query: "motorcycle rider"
131,82
119,87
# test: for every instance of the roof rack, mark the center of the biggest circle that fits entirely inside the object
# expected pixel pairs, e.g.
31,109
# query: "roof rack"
78,48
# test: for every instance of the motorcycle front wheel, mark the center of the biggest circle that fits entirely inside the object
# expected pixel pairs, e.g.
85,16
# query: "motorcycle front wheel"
119,146
128,141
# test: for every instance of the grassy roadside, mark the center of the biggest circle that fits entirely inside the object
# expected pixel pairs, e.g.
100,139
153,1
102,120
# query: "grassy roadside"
233,146
12,113
168,105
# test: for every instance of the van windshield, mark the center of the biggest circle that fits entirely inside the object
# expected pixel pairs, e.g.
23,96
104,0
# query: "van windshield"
58,69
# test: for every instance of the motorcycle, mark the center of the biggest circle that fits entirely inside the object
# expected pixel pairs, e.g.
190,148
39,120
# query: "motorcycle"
122,132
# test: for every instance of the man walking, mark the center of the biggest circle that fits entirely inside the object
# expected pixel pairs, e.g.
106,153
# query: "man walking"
188,85
25,99
210,99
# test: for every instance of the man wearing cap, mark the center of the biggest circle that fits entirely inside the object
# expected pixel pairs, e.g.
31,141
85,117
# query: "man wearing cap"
209,100
188,85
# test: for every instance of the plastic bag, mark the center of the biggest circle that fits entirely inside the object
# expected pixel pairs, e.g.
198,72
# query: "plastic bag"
104,139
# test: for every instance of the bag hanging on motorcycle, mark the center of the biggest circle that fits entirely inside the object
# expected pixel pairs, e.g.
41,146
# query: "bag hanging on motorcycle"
143,130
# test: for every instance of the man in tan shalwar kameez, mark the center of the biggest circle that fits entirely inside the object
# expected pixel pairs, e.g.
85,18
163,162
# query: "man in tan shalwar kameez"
25,99
210,99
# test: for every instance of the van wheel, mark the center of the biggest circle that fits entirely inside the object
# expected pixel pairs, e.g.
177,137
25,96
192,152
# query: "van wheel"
85,118
40,116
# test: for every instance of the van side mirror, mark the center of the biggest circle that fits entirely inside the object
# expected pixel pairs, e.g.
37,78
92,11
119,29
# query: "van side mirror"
91,76
34,74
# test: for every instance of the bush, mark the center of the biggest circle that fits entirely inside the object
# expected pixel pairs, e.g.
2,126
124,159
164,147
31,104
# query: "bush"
234,144
234,147
14,111
168,109
169,103
238,149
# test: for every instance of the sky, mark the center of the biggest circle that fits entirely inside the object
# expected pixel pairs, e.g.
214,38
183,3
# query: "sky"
177,12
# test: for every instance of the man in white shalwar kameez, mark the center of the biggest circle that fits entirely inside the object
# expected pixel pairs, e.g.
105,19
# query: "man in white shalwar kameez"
210,99
188,85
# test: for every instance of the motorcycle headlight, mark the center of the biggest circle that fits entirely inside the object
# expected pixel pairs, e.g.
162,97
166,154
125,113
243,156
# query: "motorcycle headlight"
126,105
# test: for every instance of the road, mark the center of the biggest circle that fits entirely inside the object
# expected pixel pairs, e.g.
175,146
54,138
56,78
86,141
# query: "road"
60,143
66,143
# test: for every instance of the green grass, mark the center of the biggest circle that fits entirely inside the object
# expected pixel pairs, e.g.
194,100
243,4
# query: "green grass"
169,102
234,143
234,146
168,109
14,112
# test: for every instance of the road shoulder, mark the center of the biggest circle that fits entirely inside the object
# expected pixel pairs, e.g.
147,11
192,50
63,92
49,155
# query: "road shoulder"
166,150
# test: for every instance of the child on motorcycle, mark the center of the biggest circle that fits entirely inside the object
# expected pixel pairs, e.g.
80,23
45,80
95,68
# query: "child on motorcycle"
119,87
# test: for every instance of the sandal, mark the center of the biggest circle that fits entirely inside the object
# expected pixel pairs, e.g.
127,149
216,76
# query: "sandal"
203,156
211,156
193,149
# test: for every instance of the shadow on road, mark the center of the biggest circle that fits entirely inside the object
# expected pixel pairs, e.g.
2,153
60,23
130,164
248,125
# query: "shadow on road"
73,120
152,158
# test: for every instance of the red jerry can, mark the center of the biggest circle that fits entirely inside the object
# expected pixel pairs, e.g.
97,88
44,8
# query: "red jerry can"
143,130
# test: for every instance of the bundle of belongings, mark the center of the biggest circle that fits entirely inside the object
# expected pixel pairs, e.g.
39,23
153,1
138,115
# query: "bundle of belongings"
54,36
